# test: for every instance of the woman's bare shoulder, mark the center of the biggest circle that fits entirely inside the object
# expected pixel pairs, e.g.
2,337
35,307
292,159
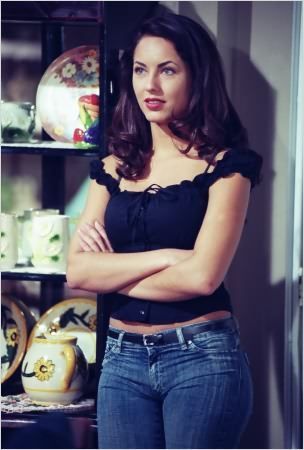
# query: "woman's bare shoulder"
221,153
218,157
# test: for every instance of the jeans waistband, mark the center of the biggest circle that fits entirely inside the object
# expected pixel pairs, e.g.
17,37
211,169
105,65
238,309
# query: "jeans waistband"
172,336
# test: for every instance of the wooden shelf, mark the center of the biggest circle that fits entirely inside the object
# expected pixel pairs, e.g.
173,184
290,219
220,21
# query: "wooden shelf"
31,274
47,148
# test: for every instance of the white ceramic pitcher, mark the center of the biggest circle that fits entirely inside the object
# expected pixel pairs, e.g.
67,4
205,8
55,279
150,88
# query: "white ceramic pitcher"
54,370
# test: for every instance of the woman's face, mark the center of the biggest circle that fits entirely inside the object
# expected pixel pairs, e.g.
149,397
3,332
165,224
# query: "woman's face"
161,80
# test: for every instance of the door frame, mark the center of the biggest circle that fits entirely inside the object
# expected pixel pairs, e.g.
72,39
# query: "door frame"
293,365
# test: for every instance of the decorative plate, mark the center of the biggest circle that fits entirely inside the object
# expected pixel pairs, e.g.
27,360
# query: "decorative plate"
68,93
13,336
76,317
30,318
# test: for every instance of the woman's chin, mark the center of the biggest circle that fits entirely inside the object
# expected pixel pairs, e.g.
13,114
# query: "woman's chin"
157,120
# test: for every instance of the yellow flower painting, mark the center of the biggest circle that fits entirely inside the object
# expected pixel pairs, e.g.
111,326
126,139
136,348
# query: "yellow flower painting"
44,369
12,336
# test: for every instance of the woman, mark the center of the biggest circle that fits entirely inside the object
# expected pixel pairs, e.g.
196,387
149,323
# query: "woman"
161,225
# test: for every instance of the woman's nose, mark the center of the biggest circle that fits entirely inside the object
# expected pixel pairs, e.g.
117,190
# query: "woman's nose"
152,82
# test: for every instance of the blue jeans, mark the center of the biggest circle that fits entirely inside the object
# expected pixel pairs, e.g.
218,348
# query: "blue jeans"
190,394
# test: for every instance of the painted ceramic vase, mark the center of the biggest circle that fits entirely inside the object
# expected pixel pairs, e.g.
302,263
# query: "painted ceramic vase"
25,231
54,370
50,241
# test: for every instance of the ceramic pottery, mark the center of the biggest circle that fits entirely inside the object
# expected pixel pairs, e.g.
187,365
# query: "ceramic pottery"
54,370
75,317
50,240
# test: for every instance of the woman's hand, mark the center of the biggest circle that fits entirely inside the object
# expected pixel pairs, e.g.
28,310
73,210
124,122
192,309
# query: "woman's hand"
173,256
93,238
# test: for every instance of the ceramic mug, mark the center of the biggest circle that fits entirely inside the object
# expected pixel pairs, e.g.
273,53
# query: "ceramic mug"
50,241
25,231
54,370
9,241
17,121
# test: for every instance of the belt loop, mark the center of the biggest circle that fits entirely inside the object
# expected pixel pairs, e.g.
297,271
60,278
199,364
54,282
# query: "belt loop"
119,340
181,339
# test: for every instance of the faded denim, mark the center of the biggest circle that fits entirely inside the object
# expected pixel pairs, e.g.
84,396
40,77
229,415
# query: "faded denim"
190,394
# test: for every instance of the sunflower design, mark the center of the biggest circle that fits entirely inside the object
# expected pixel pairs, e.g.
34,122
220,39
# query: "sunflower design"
12,337
44,369
69,70
92,322
89,65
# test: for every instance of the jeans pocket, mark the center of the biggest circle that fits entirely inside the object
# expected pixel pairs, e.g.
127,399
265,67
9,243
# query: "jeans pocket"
110,350
215,341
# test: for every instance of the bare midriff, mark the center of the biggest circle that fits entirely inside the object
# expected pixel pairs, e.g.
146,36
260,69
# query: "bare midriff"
146,328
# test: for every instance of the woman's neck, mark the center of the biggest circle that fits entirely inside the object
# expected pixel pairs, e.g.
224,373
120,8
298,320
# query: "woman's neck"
164,143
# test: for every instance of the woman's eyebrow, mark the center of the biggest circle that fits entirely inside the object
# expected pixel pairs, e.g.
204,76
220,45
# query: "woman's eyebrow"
158,65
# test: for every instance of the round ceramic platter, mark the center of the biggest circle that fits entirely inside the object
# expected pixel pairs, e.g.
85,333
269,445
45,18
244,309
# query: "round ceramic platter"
29,315
76,317
13,336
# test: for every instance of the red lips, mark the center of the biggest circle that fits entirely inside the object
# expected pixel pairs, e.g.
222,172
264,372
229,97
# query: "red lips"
154,99
154,104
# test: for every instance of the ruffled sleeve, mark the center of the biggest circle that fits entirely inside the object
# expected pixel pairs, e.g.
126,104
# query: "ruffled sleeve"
98,173
247,162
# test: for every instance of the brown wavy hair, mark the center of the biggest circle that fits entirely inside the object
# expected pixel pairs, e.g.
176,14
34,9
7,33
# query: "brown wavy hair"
210,123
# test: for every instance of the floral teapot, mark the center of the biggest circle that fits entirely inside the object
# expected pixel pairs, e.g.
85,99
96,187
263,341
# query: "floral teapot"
54,370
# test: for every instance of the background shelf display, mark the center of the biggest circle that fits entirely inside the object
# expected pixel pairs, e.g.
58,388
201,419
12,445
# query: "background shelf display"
57,23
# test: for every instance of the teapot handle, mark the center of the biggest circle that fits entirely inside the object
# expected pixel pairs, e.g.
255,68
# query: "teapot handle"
70,357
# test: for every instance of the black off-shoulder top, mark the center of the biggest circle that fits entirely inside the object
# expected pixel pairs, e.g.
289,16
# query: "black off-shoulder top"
167,217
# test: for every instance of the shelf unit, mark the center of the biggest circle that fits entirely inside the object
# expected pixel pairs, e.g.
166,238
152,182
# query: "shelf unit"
53,160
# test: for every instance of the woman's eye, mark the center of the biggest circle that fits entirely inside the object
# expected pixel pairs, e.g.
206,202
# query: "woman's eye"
169,71
138,70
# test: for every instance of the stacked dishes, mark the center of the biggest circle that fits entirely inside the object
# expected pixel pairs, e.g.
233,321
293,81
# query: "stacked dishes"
74,317
16,323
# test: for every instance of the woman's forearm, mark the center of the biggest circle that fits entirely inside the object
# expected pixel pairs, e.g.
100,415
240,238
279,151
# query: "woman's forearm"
110,272
182,281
